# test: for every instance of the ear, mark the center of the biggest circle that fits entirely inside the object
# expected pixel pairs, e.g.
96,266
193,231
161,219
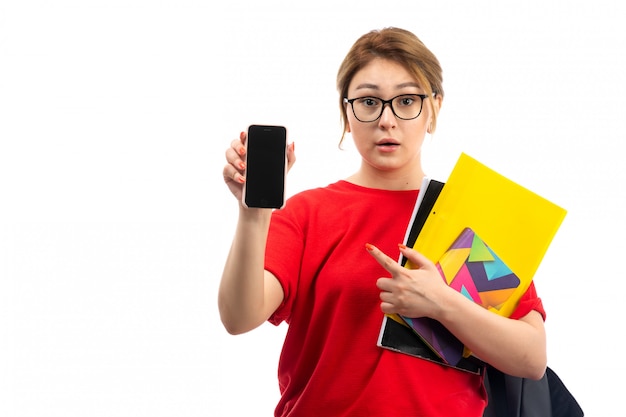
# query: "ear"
438,100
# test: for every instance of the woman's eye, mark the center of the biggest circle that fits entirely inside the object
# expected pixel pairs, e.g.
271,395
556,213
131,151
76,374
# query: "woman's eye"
369,102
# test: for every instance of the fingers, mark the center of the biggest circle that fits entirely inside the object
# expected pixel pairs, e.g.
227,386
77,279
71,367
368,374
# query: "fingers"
391,265
235,156
291,155
237,147
405,292
232,174
417,260
384,260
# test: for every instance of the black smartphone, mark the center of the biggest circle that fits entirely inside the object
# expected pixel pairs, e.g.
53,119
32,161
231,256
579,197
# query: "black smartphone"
266,167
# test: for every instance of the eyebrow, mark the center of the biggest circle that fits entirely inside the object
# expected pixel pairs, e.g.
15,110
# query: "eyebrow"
375,87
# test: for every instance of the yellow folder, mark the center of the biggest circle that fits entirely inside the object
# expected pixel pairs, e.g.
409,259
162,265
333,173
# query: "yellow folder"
518,223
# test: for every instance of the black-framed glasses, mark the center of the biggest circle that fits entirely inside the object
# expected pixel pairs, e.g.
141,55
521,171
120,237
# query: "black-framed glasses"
369,109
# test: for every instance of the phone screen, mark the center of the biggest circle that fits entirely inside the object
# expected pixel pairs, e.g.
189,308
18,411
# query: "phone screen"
265,167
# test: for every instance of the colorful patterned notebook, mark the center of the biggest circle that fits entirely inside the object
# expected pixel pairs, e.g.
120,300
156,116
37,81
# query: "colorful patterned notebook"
473,269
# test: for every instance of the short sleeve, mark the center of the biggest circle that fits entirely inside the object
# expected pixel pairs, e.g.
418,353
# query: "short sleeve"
283,255
529,302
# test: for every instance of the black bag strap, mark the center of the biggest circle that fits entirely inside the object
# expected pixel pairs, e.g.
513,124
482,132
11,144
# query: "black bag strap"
496,392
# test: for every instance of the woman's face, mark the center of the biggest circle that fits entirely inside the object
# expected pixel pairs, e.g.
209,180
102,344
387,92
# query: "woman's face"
388,143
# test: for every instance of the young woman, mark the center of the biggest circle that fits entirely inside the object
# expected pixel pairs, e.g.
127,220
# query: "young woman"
327,262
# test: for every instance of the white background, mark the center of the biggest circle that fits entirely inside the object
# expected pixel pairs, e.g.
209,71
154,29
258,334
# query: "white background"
115,222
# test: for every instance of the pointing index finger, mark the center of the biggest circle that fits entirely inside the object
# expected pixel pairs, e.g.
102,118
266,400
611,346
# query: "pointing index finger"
384,260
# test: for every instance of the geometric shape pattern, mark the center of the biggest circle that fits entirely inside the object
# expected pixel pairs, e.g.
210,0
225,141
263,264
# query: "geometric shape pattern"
473,269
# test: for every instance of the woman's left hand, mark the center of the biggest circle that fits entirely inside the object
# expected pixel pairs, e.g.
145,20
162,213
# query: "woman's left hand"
416,292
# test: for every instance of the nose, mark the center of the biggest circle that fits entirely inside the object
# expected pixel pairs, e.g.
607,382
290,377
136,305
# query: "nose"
387,119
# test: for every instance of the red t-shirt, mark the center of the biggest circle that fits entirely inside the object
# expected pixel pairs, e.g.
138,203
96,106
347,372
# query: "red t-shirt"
330,364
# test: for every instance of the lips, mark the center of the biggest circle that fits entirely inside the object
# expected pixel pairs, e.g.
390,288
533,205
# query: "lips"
387,143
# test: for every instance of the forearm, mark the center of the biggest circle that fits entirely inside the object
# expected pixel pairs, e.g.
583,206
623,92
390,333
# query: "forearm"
241,295
516,347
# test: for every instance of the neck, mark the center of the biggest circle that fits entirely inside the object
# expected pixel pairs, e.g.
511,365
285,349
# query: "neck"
388,180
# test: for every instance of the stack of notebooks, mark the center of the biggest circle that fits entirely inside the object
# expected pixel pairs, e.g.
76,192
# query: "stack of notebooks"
487,236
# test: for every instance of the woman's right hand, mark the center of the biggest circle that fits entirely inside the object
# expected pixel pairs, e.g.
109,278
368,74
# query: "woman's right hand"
236,166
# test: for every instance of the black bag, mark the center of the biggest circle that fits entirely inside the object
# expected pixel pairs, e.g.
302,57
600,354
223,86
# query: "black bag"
511,396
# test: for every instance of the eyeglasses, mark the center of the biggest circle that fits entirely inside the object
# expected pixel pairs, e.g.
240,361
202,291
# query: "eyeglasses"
369,109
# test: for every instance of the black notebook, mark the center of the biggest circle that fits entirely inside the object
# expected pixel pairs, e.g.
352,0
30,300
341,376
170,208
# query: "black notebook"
395,334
